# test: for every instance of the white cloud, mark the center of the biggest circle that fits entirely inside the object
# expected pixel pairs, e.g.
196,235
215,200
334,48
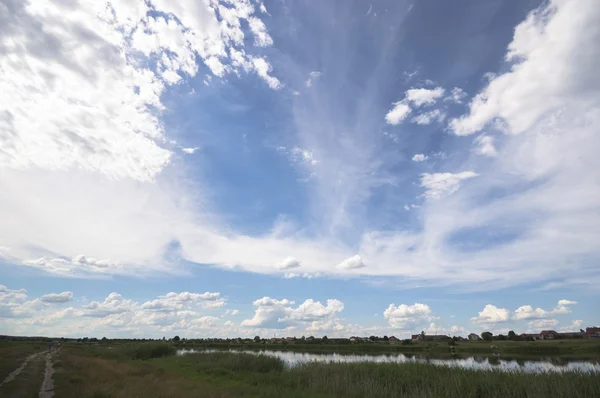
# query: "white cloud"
279,314
457,95
180,301
407,316
303,155
419,157
440,184
305,275
575,326
527,311
10,296
398,113
454,330
78,264
353,262
182,313
560,33
485,146
424,96
57,297
563,307
189,150
492,314
429,117
75,68
262,68
312,76
541,324
288,262
261,37
564,303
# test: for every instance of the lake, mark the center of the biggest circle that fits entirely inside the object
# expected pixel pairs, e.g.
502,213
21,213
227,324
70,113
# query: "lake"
553,364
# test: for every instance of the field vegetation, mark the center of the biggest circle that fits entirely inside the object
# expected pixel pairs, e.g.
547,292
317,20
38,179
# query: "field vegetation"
120,371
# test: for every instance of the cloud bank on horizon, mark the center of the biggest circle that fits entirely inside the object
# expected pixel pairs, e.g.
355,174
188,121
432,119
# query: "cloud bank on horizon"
140,137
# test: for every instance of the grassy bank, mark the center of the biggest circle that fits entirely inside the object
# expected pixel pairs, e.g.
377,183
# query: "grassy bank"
576,348
112,373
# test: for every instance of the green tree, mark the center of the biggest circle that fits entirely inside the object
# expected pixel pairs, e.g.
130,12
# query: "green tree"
512,335
324,339
256,339
422,335
385,338
176,339
487,336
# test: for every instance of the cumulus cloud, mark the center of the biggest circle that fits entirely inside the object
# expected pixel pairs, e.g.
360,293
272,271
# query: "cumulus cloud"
560,33
353,262
182,313
406,316
287,263
398,113
575,326
542,324
492,314
57,297
438,185
424,96
280,314
263,68
76,69
419,157
528,312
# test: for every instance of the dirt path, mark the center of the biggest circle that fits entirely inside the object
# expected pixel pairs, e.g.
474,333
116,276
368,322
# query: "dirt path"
47,390
18,370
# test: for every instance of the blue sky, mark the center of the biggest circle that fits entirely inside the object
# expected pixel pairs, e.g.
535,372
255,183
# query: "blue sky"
233,168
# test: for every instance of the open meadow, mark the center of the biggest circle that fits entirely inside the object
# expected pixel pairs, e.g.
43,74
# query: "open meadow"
153,369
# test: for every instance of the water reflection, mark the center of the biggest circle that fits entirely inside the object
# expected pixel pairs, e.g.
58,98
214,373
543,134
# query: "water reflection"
477,362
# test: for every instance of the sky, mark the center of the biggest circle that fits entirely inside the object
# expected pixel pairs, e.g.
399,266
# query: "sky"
232,168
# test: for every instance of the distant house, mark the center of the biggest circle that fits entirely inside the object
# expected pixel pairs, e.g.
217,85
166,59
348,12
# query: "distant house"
416,337
592,333
354,339
572,335
548,334
474,337
393,340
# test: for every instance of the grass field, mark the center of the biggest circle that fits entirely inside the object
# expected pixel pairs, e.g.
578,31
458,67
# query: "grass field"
103,372
152,370
29,380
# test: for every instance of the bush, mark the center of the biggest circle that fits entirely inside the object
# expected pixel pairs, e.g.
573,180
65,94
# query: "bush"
238,362
149,350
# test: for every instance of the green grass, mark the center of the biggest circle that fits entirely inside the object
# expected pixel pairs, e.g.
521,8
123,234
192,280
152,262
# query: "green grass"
148,350
267,376
103,372
13,353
